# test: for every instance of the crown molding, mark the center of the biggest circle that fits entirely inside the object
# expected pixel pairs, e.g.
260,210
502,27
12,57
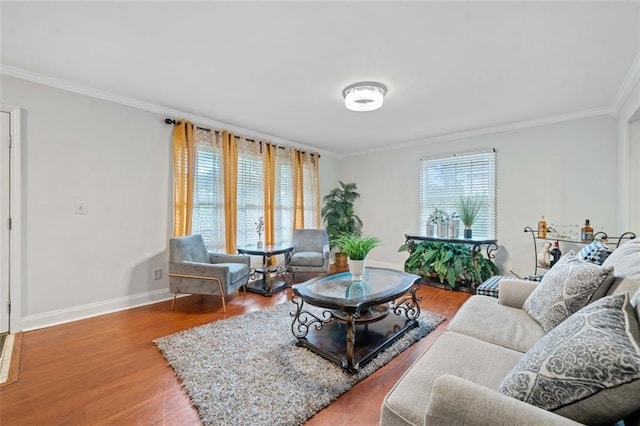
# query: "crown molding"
630,80
632,77
491,130
45,80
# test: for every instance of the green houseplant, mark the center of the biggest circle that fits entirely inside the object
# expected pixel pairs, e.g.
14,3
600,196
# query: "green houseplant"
357,247
452,263
469,208
339,215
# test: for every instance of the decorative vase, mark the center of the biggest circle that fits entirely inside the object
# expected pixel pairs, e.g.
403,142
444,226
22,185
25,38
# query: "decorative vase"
467,233
356,267
259,244
443,229
354,289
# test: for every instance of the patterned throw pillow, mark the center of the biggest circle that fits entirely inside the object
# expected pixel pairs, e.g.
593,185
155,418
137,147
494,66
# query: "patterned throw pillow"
587,368
595,252
566,288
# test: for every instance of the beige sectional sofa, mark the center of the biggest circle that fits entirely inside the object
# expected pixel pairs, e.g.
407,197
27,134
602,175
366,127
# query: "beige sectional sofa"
456,381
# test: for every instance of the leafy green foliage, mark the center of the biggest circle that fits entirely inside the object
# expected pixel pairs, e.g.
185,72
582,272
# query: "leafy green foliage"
356,246
338,212
450,262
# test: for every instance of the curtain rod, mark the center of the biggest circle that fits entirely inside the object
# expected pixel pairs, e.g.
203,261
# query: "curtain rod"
175,123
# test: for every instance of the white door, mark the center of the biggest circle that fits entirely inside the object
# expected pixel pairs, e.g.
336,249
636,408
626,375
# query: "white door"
5,173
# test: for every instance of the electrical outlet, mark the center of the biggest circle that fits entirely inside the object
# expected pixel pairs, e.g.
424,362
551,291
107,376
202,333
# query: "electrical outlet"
157,274
81,207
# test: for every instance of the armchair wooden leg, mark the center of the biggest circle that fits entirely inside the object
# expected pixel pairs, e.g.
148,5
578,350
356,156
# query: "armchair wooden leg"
173,304
224,306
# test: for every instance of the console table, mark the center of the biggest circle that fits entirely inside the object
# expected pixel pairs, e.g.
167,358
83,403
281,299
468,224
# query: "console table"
492,244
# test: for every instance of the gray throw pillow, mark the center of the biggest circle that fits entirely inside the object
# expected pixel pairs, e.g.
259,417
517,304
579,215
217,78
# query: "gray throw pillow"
587,368
568,287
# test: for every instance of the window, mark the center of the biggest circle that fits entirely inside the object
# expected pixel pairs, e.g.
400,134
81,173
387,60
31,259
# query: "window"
250,195
206,165
444,180
284,206
208,193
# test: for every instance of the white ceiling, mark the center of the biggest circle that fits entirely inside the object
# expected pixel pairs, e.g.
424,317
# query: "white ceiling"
278,68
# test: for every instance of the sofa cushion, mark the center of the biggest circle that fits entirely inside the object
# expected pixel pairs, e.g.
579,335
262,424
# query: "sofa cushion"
624,285
483,318
307,258
569,286
587,368
595,252
626,260
452,353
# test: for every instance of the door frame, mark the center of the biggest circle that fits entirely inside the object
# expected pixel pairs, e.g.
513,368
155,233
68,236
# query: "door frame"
15,212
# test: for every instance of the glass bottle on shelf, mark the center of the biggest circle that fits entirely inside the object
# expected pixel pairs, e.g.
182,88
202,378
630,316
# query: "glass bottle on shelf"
555,253
542,228
587,232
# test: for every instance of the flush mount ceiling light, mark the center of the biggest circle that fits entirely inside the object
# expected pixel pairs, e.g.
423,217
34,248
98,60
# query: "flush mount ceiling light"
364,96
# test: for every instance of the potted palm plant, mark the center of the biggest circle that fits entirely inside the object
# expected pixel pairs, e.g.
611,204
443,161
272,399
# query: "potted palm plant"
356,247
469,208
340,217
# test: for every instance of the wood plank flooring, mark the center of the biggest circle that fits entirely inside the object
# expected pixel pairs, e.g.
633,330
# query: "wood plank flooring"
106,370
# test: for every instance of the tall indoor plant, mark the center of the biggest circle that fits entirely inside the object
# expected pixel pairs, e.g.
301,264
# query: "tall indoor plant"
469,209
357,247
340,217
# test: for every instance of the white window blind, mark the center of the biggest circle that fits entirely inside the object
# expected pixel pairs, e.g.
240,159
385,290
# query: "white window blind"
250,196
444,180
208,194
284,207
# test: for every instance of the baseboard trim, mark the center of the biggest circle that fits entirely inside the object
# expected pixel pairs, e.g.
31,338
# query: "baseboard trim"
62,316
387,265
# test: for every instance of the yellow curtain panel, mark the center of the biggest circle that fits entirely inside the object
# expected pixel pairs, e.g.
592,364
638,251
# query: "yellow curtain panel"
269,158
230,168
183,175
298,191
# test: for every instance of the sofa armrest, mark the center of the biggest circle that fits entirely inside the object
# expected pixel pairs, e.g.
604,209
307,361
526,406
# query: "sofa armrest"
513,292
194,269
456,401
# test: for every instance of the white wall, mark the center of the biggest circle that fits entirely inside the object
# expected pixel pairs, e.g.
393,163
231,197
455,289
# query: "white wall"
628,143
565,171
118,160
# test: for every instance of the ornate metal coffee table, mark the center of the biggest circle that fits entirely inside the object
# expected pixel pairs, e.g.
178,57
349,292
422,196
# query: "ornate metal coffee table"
357,319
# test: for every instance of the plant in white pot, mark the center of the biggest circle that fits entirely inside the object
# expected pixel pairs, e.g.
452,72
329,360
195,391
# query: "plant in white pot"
357,247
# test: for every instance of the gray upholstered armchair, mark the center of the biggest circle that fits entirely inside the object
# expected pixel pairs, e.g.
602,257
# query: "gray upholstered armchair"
195,270
310,251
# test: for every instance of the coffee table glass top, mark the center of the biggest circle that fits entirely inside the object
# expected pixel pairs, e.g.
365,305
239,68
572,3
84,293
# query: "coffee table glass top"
377,286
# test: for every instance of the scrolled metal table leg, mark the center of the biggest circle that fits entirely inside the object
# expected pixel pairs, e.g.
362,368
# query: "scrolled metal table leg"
408,305
351,341
303,320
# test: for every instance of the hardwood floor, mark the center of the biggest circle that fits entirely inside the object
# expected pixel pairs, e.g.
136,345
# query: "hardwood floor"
106,370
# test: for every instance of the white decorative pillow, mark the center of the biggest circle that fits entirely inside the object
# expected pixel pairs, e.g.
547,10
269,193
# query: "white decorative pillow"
568,287
587,368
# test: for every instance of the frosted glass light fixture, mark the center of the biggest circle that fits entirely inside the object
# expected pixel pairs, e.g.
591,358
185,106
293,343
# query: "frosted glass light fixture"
364,96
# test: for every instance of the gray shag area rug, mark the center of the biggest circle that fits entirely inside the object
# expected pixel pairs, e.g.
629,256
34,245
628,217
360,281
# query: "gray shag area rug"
247,370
